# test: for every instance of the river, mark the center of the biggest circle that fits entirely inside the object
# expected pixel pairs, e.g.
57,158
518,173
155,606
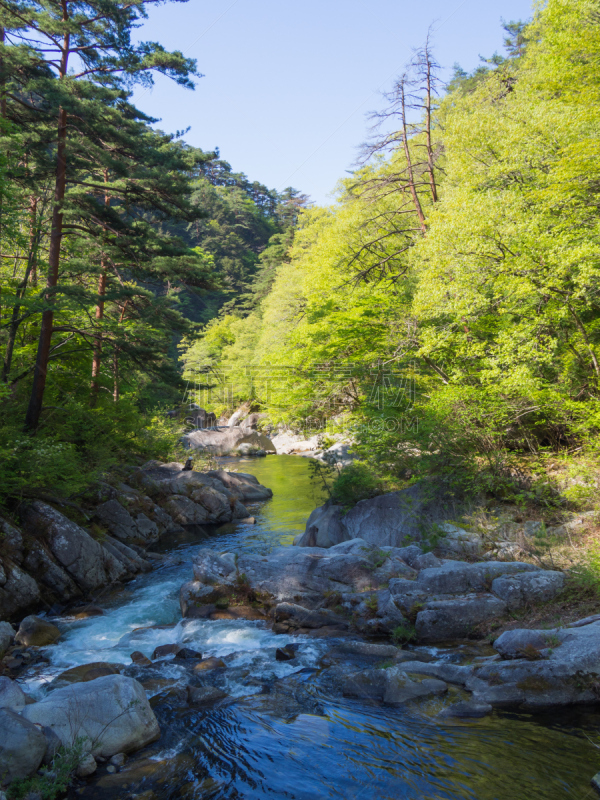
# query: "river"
302,742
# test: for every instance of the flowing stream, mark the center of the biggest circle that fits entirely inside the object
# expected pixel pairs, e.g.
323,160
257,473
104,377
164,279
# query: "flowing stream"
281,733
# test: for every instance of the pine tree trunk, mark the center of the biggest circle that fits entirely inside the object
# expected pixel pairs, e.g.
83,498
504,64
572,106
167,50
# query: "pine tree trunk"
33,241
97,358
40,372
22,288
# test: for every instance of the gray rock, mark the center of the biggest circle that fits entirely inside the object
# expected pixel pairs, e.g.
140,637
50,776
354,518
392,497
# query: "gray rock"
517,643
528,588
11,695
456,577
200,695
243,485
227,441
86,561
87,766
36,632
366,684
400,688
394,519
22,746
458,542
443,670
442,620
194,595
214,568
111,715
121,524
7,635
127,556
40,563
215,503
305,618
339,454
18,591
166,479
412,552
186,511
541,669
148,530
426,560
53,745
466,710
324,528
368,649
388,615
12,541
407,596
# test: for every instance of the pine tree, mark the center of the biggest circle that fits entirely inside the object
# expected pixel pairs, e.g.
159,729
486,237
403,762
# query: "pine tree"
87,48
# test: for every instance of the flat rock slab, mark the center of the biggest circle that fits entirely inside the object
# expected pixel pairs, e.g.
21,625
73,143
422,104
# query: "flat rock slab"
379,589
541,668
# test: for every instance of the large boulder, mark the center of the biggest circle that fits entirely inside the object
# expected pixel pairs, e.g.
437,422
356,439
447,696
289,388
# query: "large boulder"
36,632
7,635
123,526
84,673
393,685
290,443
108,715
185,511
227,441
19,592
11,695
399,517
324,528
40,563
528,588
457,618
22,746
219,492
396,519
456,577
12,541
339,454
400,688
89,564
541,668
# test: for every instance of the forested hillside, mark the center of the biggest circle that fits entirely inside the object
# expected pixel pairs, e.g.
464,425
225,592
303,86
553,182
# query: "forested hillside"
115,240
446,306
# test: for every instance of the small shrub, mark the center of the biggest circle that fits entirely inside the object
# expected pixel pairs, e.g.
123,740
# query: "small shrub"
552,640
372,604
413,611
531,653
403,634
377,557
354,483
51,781
97,532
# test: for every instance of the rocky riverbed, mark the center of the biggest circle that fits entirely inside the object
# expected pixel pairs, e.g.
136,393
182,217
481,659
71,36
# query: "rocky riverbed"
343,655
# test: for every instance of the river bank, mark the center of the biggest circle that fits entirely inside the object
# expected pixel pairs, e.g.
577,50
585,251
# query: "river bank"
283,727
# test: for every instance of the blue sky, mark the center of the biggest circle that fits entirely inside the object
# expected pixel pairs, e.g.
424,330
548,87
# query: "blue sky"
287,85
